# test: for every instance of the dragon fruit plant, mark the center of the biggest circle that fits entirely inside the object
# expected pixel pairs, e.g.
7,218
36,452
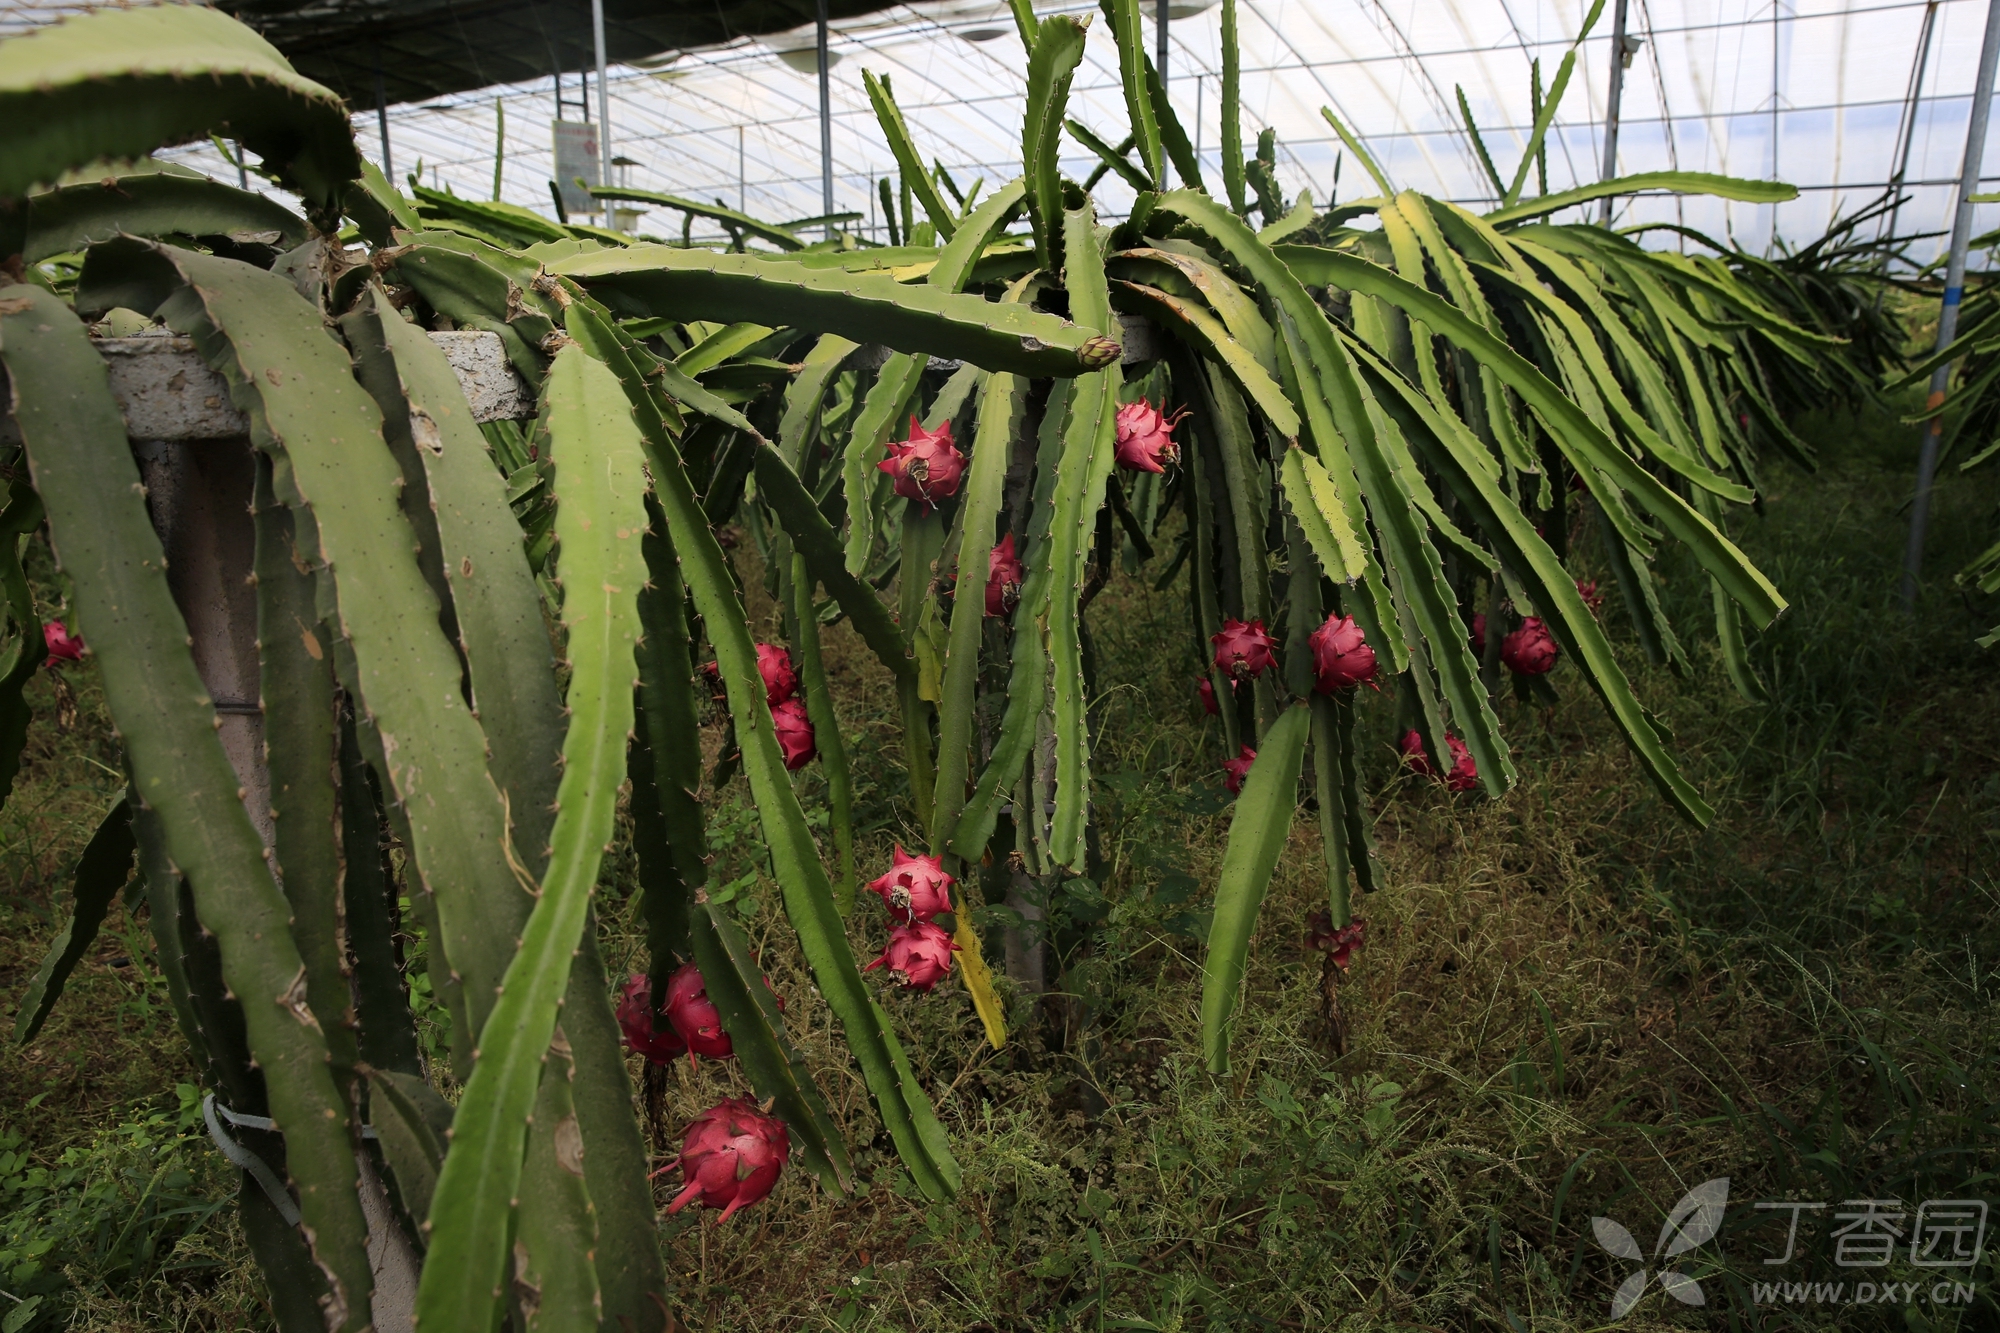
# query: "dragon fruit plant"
1368,398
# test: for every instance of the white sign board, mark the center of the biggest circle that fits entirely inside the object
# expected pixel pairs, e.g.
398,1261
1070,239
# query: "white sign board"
576,155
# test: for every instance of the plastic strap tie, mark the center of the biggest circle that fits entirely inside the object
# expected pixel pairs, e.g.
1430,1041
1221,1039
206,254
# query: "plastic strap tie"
244,1159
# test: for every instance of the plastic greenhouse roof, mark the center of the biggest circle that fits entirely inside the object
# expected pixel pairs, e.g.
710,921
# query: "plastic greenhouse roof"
1809,91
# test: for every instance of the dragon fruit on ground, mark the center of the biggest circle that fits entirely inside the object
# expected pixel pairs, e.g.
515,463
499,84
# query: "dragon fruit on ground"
731,1156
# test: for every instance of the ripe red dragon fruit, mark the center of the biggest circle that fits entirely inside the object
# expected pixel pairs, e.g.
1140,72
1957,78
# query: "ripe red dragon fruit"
1234,771
1530,650
918,956
915,888
1206,689
795,733
1004,577
731,1156
1243,649
1339,942
1341,655
1464,775
1479,634
1592,598
927,467
658,1042
694,1015
62,645
774,664
1146,438
711,674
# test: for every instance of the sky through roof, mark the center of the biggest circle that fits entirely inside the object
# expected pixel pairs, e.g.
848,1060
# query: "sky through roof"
1809,91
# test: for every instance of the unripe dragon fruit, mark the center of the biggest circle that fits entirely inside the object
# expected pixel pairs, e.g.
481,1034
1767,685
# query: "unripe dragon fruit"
1004,577
927,467
1234,771
1530,650
918,956
1341,655
1337,942
774,664
1206,689
694,1015
731,1156
795,733
1146,438
62,645
915,888
659,1044
1243,649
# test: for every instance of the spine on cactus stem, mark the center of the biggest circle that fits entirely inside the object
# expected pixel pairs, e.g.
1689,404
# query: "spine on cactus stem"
295,686
775,1068
83,470
1027,677
808,896
600,518
826,730
1081,478
674,857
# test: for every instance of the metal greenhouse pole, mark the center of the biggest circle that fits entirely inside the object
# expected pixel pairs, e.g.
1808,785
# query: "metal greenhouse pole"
1954,292
603,97
1618,62
825,123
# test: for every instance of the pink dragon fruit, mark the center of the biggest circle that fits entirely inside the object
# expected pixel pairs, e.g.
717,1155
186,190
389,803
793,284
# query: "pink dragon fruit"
1479,634
774,664
918,956
915,888
1339,942
1005,575
1234,771
1146,438
658,1043
731,1156
1341,655
1592,598
795,733
1206,689
927,467
694,1015
1530,650
1243,649
1464,775
62,645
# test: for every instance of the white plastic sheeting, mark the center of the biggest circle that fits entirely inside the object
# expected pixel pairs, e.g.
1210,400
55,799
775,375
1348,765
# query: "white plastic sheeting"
1809,91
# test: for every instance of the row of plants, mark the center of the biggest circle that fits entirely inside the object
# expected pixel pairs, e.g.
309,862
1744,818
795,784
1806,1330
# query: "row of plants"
1365,439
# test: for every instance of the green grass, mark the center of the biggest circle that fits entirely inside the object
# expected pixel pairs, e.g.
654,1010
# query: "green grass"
1570,1004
